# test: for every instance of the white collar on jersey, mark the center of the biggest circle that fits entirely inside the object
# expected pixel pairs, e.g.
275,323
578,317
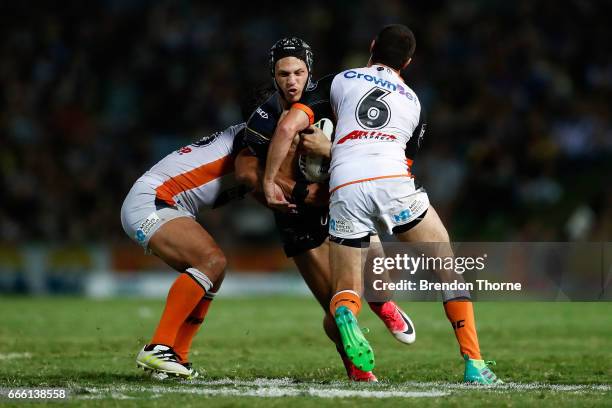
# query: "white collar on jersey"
389,69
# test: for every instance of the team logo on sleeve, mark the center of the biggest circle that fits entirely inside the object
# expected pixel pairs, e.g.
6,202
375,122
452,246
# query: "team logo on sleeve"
421,134
206,140
262,113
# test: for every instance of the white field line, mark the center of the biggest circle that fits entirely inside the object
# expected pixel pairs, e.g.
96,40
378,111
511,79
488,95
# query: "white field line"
287,387
285,382
12,356
261,391
510,386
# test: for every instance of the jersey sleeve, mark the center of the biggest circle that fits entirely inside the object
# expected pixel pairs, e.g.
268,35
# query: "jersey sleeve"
259,129
335,93
415,142
239,142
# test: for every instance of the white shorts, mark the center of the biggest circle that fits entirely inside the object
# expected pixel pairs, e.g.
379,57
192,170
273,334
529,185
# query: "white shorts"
141,215
356,210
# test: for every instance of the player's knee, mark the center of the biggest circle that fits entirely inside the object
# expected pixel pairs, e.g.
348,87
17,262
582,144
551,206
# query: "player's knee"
217,261
212,261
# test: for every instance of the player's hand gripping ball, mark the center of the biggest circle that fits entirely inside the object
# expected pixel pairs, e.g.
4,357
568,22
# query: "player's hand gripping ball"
316,167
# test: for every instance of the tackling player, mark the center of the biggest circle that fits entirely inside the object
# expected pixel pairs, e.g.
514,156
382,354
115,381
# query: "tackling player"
304,229
159,214
371,183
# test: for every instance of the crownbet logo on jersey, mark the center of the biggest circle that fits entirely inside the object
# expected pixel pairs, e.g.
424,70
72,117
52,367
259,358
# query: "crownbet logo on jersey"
395,87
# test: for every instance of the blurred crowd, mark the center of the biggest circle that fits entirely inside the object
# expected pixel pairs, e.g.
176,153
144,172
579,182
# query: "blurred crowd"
517,96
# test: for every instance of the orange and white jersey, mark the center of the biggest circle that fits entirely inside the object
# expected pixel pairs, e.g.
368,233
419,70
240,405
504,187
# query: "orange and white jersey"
377,114
200,175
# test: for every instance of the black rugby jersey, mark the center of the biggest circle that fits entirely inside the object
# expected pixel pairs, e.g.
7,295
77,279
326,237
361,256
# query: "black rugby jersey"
262,123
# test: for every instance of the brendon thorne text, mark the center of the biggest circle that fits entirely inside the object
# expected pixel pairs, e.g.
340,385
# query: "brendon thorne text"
424,285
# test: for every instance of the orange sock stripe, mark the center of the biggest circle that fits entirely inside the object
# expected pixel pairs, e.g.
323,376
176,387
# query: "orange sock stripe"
461,315
346,298
183,296
190,328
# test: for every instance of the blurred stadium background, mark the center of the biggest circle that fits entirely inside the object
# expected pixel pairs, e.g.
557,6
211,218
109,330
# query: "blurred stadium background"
92,94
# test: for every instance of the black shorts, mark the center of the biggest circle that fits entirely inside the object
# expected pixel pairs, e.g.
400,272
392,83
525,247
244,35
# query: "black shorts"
302,231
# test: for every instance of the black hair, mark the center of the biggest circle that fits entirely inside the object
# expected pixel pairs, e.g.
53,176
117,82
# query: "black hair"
393,46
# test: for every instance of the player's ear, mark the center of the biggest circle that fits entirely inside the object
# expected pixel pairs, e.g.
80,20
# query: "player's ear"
407,63
369,64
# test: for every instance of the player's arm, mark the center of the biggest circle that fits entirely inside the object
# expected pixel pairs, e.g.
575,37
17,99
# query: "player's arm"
249,172
295,121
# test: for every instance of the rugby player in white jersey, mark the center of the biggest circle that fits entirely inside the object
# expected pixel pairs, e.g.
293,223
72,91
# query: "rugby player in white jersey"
304,230
371,185
159,214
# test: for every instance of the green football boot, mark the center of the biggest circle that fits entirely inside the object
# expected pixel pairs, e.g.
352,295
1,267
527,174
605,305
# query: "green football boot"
355,344
477,371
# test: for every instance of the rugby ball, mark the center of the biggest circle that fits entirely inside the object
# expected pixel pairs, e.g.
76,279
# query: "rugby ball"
316,168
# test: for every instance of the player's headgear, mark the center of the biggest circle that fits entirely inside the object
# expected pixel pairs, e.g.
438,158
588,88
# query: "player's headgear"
291,47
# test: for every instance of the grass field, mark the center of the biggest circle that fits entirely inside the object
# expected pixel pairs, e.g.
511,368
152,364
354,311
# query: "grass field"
272,352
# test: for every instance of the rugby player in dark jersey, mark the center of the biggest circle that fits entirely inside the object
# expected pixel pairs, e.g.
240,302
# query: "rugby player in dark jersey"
391,50
301,213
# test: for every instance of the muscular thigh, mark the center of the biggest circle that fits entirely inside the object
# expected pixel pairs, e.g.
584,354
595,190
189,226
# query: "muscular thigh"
183,243
430,229
432,233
